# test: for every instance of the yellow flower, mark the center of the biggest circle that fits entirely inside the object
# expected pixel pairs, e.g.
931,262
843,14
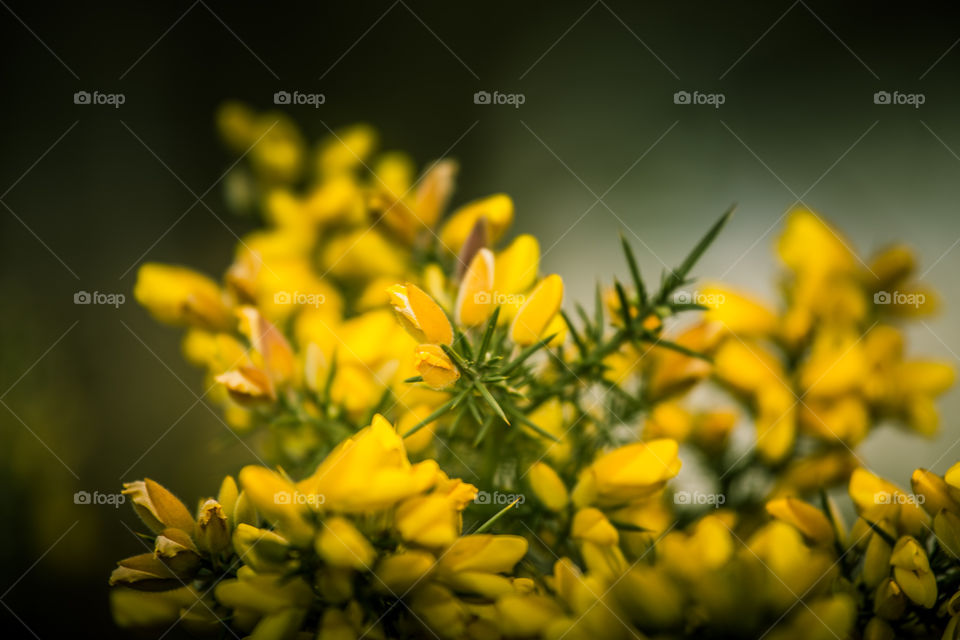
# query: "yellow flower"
737,312
911,570
436,368
157,507
369,471
935,491
340,544
496,210
420,315
475,301
516,266
181,296
590,525
399,572
809,520
430,520
808,244
548,487
633,471
213,528
536,313
281,502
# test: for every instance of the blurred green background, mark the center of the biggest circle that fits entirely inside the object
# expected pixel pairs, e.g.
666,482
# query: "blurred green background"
95,395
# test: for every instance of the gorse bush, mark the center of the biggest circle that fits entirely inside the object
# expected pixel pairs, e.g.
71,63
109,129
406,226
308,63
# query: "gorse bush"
446,449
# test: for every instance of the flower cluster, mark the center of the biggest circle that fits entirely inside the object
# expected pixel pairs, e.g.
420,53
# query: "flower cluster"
380,348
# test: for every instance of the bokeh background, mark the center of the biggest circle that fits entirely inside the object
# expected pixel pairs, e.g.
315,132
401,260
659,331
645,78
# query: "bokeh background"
95,395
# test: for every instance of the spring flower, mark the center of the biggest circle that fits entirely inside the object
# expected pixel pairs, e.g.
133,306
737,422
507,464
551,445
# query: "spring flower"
436,368
181,296
625,474
474,302
548,486
495,210
538,311
420,315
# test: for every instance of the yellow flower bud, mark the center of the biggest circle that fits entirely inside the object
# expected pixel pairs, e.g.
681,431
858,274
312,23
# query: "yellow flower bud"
889,602
158,508
548,487
435,367
536,313
911,570
213,527
475,300
181,296
946,526
876,559
420,315
175,548
809,520
935,492
497,210
341,545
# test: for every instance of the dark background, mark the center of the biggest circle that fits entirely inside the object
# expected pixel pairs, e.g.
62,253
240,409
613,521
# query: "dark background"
93,395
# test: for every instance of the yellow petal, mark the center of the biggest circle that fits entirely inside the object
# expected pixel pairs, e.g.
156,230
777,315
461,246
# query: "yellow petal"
496,209
436,368
538,310
420,315
475,300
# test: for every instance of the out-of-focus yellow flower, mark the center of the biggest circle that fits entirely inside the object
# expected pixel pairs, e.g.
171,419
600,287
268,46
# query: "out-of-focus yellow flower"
420,315
548,487
181,296
346,148
496,210
737,312
430,520
809,520
516,266
538,311
436,367
364,253
809,245
628,473
342,545
590,525
475,301
935,491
